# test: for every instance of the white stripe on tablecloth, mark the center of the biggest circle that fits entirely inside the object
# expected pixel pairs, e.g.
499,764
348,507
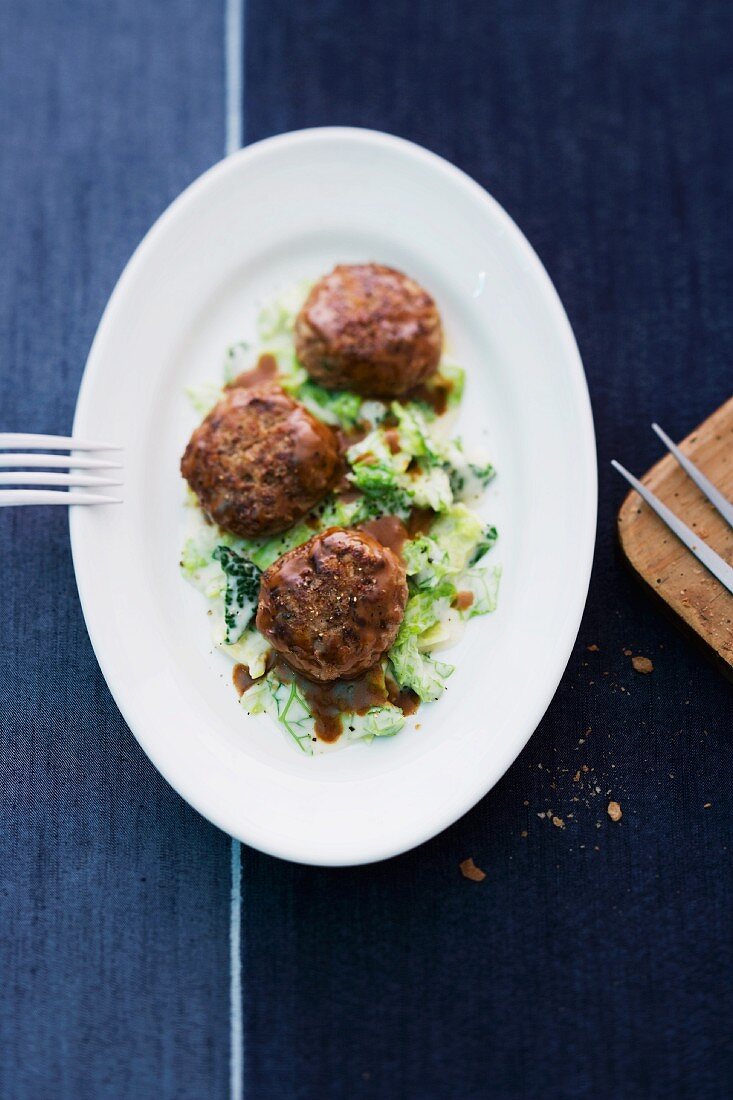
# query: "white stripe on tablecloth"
234,64
236,1053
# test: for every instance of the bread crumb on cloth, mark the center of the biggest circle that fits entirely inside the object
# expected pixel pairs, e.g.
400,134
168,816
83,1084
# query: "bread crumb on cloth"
642,664
471,871
614,811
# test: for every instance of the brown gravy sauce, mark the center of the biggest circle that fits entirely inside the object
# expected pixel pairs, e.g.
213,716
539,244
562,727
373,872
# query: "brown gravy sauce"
348,438
241,679
392,439
435,394
463,600
390,531
308,445
264,371
420,521
330,702
405,698
347,491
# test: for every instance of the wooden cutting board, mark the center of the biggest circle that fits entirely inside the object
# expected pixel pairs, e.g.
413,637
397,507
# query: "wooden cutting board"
671,572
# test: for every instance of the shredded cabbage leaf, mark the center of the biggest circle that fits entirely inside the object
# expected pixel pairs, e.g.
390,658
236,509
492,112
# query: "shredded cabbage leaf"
418,671
424,472
286,703
439,565
483,584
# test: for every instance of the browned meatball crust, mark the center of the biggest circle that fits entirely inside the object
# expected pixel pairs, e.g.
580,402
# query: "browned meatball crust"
333,606
259,461
369,328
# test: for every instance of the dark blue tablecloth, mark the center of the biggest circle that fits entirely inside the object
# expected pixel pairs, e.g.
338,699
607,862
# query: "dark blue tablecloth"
595,959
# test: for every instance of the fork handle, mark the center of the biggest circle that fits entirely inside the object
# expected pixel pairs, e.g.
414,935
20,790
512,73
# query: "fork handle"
14,498
52,442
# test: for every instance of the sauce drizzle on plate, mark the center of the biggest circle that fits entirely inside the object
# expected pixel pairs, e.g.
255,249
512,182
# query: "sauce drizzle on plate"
264,371
330,702
390,531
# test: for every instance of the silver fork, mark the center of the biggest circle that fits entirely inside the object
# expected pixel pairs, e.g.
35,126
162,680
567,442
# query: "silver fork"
704,553
34,469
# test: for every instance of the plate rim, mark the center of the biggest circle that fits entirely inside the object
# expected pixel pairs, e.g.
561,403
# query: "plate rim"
576,376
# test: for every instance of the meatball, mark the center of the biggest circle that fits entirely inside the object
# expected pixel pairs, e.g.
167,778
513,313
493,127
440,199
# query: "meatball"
333,606
369,328
260,461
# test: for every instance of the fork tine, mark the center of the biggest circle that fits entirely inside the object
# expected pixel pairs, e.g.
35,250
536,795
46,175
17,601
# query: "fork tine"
13,498
63,461
53,442
714,495
704,553
43,477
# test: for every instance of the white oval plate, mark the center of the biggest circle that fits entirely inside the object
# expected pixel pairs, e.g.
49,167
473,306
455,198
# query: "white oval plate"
284,209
